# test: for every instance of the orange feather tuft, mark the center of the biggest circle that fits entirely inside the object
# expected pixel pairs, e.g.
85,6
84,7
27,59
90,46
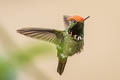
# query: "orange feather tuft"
77,18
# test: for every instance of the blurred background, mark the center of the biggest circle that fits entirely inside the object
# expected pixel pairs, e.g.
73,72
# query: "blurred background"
23,58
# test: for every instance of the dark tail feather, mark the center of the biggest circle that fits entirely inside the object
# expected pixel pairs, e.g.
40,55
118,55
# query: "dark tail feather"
61,66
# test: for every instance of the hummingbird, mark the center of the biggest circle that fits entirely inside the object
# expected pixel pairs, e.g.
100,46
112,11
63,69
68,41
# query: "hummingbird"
68,42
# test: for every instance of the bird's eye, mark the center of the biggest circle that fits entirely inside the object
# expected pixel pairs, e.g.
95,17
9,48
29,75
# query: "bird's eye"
74,21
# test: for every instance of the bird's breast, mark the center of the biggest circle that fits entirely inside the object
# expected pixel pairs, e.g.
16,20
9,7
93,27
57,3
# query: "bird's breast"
71,46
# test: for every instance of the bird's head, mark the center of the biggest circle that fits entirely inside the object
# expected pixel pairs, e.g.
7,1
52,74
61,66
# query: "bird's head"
76,22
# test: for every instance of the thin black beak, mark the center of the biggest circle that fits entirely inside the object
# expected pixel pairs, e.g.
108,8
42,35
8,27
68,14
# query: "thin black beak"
86,18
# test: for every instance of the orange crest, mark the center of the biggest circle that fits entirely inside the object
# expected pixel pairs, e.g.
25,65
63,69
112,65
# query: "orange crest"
77,18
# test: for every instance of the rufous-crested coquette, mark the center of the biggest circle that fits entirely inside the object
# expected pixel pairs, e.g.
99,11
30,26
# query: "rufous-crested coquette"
68,42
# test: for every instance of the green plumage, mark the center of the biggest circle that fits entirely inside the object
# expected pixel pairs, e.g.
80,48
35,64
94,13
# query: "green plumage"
67,44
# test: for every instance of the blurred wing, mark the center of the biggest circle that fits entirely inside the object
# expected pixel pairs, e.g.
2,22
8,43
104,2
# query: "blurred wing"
50,35
66,23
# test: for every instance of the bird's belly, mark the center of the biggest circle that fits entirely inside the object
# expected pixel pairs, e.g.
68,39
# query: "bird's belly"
71,47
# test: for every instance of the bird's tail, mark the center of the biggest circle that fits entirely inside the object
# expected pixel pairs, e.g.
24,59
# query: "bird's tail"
61,66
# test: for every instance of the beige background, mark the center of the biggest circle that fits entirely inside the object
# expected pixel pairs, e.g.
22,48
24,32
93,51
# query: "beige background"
100,59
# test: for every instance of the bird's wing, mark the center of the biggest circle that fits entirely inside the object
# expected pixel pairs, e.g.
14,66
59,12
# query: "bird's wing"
50,35
66,23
